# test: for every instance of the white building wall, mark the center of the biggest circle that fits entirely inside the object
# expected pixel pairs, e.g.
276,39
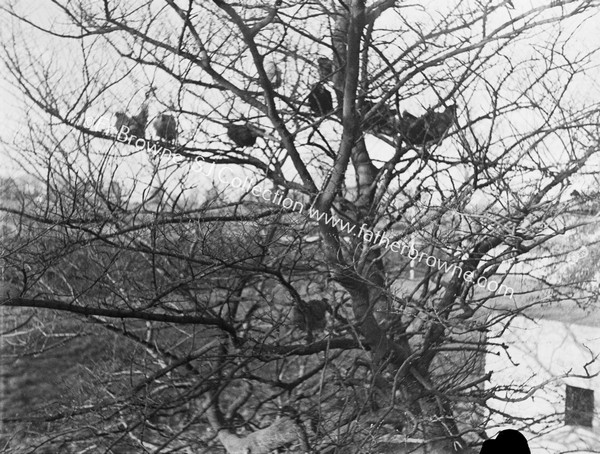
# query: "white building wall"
541,358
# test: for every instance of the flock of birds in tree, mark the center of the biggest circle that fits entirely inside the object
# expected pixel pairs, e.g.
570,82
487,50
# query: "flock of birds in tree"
165,125
431,127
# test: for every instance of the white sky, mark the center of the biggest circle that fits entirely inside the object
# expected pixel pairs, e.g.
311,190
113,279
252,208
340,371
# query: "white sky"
586,38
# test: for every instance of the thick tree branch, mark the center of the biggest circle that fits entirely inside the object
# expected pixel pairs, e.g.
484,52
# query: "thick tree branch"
119,313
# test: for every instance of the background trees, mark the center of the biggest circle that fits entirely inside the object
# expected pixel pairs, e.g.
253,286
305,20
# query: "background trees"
204,301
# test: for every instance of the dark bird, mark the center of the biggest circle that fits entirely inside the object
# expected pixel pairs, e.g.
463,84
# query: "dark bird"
320,100
242,135
325,68
166,127
383,121
122,120
431,127
136,124
508,441
311,316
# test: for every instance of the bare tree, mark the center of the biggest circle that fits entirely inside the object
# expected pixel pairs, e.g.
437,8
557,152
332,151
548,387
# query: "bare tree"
228,320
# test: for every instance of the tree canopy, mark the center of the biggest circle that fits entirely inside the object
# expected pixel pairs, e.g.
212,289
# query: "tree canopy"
289,224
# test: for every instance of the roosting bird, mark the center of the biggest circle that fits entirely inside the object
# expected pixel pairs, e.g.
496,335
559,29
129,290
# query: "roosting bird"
383,121
431,127
166,127
311,316
320,100
325,68
242,135
136,124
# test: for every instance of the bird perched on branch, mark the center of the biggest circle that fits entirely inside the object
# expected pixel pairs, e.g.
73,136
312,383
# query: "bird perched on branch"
325,68
166,127
241,135
383,121
320,100
310,316
137,123
431,127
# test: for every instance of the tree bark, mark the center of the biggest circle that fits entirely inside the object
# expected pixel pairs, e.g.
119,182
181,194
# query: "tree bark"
434,414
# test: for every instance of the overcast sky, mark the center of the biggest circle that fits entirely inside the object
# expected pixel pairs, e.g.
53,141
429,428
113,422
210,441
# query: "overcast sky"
65,55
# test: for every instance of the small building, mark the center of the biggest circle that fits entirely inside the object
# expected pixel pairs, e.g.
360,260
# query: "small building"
546,370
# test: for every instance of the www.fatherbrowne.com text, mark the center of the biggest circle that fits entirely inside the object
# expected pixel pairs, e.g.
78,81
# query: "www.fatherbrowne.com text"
344,226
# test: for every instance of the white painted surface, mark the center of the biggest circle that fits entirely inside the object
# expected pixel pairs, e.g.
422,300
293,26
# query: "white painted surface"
541,358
